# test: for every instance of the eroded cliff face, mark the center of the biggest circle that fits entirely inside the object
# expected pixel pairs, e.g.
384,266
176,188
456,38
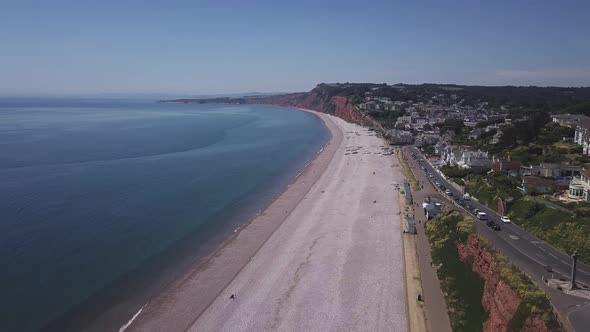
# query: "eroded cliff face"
499,299
339,106
345,110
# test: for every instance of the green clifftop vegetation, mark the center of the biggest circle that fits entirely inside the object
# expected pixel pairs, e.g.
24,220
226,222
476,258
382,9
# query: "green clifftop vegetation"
566,231
464,288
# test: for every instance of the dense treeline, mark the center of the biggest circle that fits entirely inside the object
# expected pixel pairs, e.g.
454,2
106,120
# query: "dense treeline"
532,97
549,99
525,131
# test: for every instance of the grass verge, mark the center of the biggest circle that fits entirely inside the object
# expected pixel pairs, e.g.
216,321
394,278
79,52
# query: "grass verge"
407,170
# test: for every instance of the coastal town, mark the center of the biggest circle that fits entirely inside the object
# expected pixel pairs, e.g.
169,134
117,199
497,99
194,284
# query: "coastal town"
538,185
286,166
469,139
502,176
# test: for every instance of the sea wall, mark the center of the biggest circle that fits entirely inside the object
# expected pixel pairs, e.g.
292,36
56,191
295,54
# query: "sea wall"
499,299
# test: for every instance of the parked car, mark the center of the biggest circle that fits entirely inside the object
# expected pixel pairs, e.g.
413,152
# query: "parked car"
505,219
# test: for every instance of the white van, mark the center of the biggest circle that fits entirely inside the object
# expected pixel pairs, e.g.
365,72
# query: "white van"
482,216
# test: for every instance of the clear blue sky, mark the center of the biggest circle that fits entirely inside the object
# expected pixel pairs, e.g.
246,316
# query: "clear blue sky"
202,47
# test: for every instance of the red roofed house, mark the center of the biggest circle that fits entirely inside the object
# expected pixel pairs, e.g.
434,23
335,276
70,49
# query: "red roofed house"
536,185
507,166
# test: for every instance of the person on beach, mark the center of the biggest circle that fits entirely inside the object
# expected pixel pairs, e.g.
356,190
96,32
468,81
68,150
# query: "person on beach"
232,297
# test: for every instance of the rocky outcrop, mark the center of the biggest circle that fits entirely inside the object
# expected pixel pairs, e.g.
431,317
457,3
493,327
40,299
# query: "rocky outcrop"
343,109
499,299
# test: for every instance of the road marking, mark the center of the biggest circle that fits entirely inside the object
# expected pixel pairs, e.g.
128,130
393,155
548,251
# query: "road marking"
514,228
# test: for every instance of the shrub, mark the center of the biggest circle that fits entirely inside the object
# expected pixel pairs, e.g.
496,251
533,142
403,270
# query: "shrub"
558,228
463,288
534,301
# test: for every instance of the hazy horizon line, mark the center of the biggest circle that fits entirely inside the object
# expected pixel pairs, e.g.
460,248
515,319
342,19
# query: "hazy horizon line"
253,93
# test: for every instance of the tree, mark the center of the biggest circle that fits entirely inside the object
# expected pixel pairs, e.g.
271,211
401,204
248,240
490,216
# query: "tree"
454,125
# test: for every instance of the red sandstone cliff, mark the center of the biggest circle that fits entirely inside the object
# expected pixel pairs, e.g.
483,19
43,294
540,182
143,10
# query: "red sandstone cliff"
325,98
499,299
339,106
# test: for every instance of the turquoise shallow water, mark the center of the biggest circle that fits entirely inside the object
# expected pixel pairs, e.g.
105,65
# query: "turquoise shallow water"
95,189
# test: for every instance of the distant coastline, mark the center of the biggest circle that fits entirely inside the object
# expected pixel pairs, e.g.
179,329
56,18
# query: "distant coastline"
320,99
217,100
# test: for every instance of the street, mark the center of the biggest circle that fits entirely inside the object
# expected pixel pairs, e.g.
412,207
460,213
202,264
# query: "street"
527,252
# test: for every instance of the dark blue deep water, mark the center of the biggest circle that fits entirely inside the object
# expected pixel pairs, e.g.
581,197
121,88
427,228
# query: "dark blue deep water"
92,190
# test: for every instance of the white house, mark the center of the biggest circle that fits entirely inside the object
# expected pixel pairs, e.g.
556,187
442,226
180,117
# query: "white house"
570,120
475,160
580,187
582,136
451,155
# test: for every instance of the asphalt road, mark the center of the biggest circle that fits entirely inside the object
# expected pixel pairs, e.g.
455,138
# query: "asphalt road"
526,251
526,243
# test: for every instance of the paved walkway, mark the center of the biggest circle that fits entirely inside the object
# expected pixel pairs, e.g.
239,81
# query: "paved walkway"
416,311
436,307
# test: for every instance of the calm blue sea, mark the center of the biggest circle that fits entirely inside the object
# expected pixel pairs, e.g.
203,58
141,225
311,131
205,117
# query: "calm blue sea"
94,190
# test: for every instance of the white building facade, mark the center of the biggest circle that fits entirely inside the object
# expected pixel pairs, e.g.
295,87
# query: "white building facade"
579,188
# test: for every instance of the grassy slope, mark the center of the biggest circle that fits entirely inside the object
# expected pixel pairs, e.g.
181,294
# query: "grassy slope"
488,188
463,288
560,229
